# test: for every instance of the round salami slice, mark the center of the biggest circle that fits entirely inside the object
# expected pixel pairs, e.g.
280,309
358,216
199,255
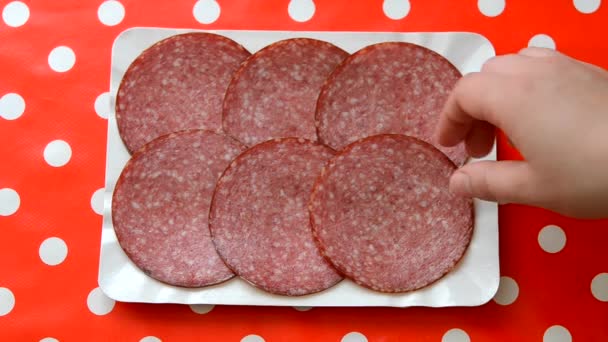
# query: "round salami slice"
274,93
259,218
387,88
160,207
382,214
177,84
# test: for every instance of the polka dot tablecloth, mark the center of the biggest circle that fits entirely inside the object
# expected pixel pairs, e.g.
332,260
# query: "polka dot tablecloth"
54,102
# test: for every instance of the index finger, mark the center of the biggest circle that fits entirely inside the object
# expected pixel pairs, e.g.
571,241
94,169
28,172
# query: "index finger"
476,97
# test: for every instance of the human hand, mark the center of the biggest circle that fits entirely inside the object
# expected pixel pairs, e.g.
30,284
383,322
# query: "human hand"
555,111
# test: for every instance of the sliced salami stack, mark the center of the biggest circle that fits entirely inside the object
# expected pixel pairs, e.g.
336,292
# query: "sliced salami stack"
292,168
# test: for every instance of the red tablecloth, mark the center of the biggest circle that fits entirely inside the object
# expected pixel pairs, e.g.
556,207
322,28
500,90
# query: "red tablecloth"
54,73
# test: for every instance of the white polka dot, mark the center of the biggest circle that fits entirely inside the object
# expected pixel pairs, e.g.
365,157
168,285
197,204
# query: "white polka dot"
557,333
53,251
103,105
587,6
7,301
111,12
12,106
508,290
201,308
301,10
150,339
542,40
491,8
57,153
97,201
49,339
15,14
396,9
552,239
252,338
9,201
354,337
206,11
455,335
62,59
599,287
99,303
302,308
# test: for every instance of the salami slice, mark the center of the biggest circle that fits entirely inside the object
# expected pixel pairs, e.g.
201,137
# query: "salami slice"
160,207
176,84
259,219
382,214
387,88
274,93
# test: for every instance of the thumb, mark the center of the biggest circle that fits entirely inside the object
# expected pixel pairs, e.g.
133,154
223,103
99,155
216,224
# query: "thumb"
499,181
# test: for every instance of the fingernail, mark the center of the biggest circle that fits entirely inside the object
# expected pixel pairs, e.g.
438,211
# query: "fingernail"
460,184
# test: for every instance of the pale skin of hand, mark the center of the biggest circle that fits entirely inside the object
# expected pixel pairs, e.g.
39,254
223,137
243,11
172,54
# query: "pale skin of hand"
554,109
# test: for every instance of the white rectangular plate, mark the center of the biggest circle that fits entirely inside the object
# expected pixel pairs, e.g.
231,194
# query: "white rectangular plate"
473,282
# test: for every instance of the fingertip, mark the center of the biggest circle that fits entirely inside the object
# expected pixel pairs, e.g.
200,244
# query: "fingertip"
480,139
450,136
460,184
439,135
453,125
497,181
449,132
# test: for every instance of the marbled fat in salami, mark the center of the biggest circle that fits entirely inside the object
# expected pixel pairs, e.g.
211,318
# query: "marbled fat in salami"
176,84
160,207
389,87
382,214
259,218
274,93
